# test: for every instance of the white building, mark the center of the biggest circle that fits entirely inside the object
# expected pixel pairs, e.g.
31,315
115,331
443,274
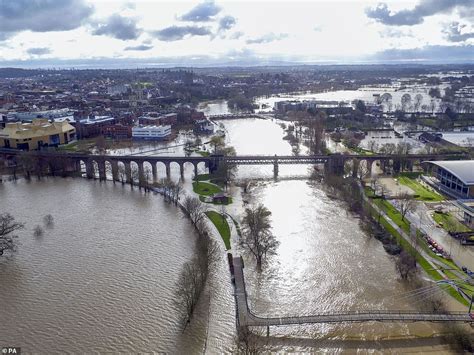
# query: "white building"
151,132
49,114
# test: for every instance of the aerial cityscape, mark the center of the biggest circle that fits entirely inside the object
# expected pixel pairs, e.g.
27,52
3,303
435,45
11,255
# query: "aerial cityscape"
236,177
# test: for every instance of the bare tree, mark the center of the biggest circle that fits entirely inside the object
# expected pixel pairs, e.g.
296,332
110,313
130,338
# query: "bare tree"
101,144
250,343
362,170
372,145
406,202
147,177
134,175
377,186
108,171
172,190
225,171
469,142
418,101
218,143
388,148
28,163
406,265
8,227
178,191
38,231
415,242
194,208
406,102
190,285
192,280
432,106
461,337
403,148
208,249
122,176
48,221
430,149
257,236
314,133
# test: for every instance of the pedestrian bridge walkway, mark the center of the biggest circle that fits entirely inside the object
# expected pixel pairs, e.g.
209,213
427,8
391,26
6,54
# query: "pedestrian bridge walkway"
246,318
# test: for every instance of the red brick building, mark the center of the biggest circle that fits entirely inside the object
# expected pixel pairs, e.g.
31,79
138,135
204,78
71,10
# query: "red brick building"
118,131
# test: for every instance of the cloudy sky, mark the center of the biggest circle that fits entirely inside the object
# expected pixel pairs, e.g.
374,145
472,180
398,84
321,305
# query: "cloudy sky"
154,32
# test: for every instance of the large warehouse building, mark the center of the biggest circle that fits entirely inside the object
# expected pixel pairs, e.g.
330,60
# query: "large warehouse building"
455,177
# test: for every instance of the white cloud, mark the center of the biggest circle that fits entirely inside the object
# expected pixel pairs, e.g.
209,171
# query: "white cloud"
310,30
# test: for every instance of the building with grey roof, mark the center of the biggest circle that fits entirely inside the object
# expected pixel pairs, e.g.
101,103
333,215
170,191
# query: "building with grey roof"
455,177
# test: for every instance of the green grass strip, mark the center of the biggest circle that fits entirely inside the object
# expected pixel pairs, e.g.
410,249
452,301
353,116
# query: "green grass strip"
205,188
222,226
449,223
421,192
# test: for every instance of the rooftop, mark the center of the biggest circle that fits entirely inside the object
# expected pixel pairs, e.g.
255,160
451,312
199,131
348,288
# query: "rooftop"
462,169
38,128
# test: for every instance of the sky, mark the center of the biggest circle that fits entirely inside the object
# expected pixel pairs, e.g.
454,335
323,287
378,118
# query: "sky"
204,33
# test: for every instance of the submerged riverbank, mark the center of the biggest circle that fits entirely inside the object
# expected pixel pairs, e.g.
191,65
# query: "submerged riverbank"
102,279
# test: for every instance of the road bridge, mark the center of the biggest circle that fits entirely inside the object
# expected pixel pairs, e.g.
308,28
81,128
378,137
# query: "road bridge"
245,317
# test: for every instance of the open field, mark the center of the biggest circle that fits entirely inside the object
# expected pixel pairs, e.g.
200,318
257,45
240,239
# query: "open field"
421,192
449,222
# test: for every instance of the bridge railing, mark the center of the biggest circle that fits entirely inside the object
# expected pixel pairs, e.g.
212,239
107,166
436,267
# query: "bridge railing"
357,314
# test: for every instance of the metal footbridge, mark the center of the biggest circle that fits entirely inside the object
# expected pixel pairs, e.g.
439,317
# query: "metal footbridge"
246,318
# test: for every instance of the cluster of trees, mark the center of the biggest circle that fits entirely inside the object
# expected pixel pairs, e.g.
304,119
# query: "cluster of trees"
309,128
192,280
257,237
406,263
402,148
347,190
29,164
225,171
172,191
293,139
241,102
349,138
48,222
9,226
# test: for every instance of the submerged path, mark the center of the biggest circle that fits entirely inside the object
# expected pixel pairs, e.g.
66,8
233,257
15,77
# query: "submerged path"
246,318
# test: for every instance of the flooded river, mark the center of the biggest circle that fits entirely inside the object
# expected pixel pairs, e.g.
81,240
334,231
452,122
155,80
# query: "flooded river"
324,262
102,279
